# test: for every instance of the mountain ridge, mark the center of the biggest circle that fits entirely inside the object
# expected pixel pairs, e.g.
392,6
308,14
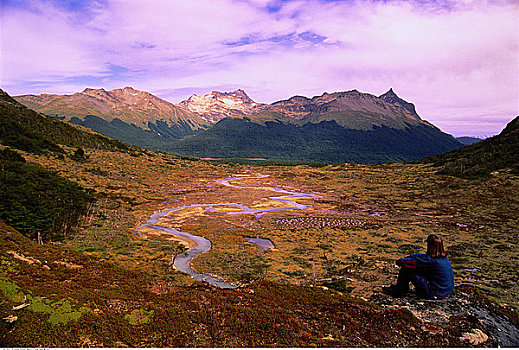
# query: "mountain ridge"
352,109
468,140
333,127
141,108
127,104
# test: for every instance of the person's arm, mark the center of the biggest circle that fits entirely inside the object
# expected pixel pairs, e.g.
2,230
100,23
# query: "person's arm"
409,261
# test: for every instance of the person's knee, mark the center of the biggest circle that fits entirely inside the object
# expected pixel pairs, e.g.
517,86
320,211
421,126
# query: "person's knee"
421,286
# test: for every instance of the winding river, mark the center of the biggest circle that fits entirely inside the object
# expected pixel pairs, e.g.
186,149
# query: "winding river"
182,261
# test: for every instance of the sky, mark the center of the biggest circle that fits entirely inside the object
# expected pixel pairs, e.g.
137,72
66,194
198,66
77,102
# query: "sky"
457,61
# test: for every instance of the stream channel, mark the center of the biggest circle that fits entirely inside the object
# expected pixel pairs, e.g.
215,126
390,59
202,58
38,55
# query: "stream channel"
182,261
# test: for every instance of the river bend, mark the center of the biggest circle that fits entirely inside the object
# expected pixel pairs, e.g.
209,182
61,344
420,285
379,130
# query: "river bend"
203,245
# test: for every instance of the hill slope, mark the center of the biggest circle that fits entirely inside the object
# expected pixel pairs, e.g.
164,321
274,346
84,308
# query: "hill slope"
468,140
325,141
484,157
38,202
54,297
23,128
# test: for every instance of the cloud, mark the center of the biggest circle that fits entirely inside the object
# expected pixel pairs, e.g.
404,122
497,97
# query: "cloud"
38,44
456,60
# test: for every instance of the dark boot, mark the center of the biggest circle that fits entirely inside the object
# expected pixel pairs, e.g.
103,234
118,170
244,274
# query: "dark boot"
393,291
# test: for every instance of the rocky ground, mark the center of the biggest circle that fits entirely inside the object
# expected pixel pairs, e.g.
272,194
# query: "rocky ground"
481,322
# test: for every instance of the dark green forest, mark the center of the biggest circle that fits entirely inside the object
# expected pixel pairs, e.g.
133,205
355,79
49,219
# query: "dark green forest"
35,200
324,142
158,134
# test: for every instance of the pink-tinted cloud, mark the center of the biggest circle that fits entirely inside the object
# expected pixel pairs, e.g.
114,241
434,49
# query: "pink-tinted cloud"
456,60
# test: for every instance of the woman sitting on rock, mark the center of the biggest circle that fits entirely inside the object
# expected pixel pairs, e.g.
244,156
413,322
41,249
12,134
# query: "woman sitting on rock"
430,273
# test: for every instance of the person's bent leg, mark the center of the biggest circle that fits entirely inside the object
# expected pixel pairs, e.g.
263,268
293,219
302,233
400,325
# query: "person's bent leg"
421,286
404,277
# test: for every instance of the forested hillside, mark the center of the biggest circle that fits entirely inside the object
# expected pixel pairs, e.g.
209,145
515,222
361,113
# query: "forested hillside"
325,142
482,158
37,202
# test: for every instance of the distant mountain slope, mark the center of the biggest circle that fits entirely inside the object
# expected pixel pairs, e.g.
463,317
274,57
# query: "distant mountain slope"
142,109
322,142
350,109
467,140
338,127
482,158
217,105
24,129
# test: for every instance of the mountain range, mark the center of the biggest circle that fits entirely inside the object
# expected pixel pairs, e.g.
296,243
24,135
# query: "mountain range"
348,126
129,105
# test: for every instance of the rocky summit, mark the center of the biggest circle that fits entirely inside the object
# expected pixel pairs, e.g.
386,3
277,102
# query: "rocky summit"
219,105
350,109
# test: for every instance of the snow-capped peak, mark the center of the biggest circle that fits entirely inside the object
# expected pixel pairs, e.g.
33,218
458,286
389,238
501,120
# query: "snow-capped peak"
218,105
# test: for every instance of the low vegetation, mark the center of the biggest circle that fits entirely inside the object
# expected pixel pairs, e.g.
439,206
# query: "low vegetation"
69,299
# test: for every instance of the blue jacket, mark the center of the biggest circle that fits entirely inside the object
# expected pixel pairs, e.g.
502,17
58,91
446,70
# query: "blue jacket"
437,272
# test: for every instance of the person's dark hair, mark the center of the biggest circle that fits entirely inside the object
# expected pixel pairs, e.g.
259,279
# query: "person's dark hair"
435,247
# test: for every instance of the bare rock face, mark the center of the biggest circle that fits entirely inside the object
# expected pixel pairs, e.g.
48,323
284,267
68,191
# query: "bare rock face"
391,97
218,105
475,337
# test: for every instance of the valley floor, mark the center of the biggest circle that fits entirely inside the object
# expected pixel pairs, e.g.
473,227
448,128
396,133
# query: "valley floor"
111,286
